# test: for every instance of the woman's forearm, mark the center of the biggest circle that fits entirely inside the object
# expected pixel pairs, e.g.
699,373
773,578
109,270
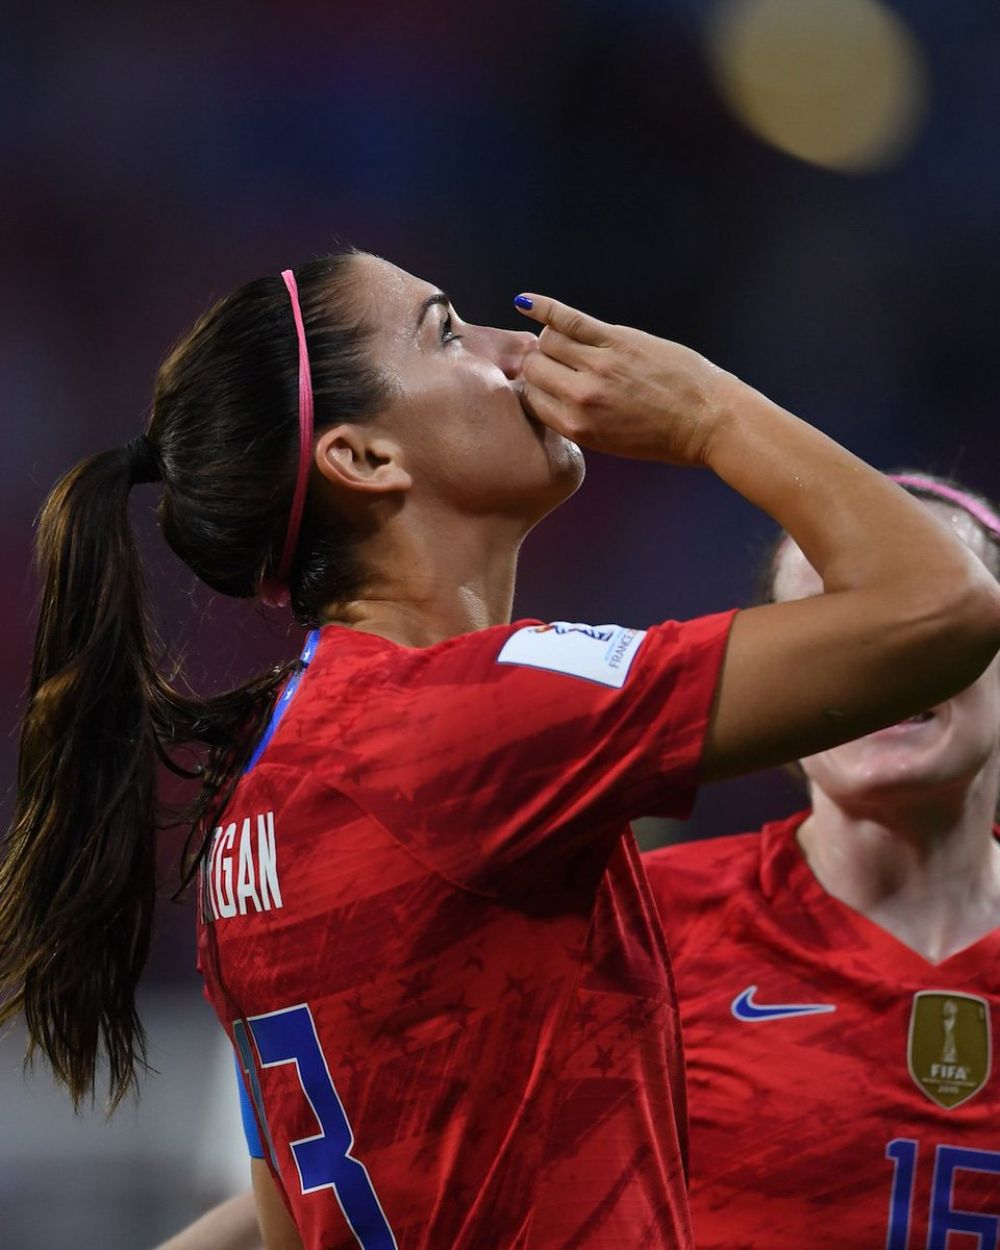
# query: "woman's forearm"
232,1225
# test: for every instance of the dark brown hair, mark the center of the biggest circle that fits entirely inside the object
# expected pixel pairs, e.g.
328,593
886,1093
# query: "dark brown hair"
78,880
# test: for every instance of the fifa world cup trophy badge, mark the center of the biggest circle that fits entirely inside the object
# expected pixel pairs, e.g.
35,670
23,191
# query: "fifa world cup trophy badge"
949,1053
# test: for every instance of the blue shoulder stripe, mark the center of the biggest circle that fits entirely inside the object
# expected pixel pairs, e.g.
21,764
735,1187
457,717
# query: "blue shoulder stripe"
255,1147
281,707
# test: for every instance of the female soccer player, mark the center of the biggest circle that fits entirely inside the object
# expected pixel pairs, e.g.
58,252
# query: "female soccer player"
839,979
423,924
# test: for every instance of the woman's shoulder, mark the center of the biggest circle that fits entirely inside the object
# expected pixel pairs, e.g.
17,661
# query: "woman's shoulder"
704,869
690,877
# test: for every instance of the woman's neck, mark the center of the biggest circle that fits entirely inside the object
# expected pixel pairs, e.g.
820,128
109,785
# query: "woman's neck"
430,583
927,869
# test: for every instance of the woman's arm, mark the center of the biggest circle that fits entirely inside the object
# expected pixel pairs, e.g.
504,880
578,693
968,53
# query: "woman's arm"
279,1232
232,1225
255,1220
909,617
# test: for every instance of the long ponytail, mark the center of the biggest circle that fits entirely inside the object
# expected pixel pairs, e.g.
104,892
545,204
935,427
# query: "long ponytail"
77,883
78,876
78,873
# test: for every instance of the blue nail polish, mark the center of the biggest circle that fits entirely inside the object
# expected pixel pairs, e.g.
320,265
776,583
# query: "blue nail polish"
522,301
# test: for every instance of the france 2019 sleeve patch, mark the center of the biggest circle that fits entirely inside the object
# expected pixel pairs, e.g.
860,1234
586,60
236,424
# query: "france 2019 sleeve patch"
601,653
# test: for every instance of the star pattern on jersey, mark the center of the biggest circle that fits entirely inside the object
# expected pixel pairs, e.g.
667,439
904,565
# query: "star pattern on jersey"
516,985
639,1016
356,1006
416,987
603,1061
349,1060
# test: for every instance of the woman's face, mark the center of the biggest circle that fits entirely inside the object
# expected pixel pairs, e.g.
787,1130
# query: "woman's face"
456,409
949,745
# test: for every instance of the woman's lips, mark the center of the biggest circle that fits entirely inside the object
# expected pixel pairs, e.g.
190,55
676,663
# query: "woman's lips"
909,725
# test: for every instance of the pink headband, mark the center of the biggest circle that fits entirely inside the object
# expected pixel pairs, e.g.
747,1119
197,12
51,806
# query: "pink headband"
274,590
986,517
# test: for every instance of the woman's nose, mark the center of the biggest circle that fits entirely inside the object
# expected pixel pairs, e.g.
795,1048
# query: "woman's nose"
509,348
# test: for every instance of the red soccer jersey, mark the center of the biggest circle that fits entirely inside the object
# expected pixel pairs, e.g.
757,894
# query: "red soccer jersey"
841,1088
426,928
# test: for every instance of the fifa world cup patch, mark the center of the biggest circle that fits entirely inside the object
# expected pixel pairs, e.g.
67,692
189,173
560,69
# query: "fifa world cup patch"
950,1047
601,653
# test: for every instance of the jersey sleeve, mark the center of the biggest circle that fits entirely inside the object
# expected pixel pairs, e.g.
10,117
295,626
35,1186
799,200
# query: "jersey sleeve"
520,744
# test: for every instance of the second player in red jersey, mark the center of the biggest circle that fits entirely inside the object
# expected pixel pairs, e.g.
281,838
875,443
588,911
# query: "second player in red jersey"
839,981
842,1089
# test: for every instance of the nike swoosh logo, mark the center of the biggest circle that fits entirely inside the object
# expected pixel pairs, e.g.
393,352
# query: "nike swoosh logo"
744,1008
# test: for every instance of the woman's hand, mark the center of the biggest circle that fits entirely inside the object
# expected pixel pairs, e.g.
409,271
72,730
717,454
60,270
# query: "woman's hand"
618,390
915,617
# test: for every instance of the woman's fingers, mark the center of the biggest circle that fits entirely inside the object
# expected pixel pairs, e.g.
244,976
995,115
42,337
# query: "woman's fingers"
540,405
572,323
546,389
545,373
618,390
561,347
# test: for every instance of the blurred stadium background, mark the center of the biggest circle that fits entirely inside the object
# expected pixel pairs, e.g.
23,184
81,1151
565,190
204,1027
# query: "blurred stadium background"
807,191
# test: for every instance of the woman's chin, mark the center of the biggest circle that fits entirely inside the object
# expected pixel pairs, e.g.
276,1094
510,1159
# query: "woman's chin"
566,458
900,780
565,474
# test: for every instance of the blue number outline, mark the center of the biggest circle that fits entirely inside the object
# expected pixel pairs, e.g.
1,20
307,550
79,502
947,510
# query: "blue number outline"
380,1236
944,1218
903,1152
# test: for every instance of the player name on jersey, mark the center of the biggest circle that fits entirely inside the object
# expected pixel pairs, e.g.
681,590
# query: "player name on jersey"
242,873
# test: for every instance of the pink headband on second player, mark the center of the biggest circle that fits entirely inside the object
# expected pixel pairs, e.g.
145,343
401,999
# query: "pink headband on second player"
986,517
274,590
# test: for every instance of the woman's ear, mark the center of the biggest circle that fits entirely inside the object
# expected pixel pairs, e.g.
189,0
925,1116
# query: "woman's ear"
358,458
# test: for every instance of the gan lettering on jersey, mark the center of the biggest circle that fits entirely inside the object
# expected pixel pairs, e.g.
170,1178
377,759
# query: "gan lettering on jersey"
601,653
242,868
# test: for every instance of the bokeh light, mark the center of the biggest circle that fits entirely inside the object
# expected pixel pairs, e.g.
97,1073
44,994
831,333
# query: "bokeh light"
838,83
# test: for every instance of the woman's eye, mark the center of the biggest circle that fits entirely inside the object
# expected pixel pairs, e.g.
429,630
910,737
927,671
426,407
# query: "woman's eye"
447,334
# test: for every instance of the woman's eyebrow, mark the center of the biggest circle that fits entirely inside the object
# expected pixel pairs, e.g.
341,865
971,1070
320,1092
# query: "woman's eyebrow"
438,297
